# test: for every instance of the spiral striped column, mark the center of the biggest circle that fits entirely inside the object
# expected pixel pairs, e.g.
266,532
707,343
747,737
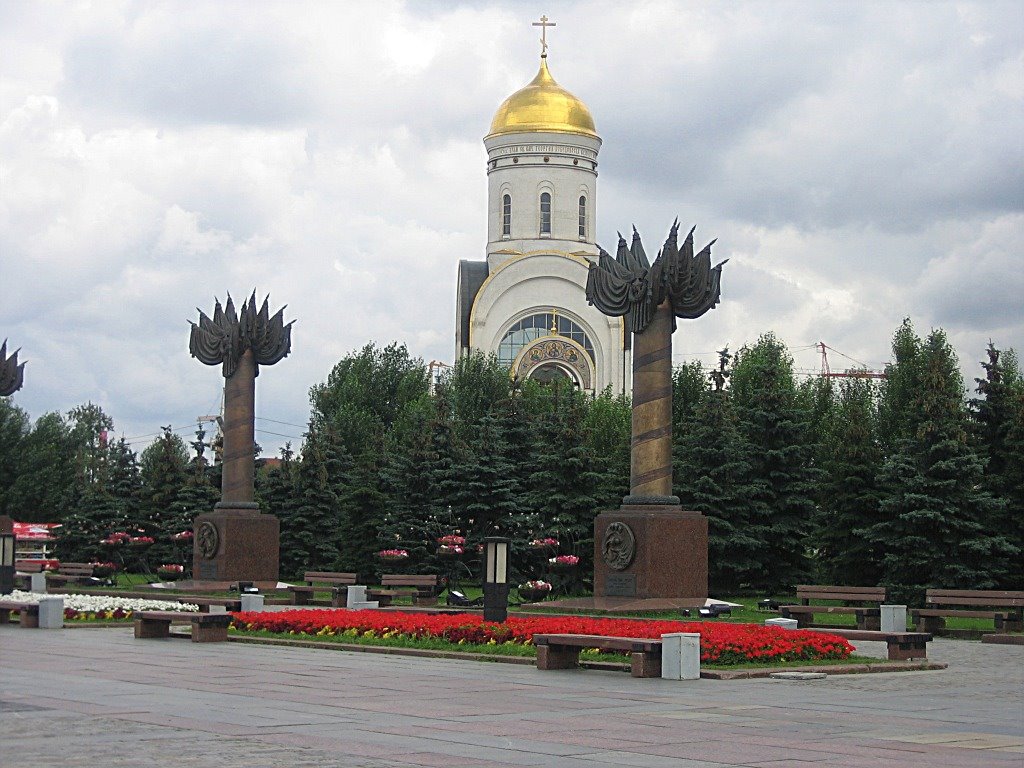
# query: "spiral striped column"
651,456
239,433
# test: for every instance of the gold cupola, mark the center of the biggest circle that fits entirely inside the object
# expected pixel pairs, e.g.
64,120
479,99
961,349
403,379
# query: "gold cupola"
543,105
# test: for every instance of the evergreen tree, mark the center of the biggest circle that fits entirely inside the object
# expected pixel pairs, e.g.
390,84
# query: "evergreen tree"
276,494
782,456
934,502
849,496
607,429
44,489
14,428
320,516
714,477
164,469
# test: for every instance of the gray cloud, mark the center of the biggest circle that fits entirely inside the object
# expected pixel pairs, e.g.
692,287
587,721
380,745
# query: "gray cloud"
858,163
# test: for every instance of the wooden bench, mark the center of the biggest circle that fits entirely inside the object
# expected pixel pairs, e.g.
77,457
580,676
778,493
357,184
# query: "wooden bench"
969,602
28,613
900,646
71,573
422,589
563,651
206,627
321,581
868,617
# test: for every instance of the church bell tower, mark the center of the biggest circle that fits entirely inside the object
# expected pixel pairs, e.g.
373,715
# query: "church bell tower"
526,302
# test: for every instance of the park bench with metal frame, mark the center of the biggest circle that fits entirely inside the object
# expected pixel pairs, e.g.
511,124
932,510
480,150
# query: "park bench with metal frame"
969,604
563,651
868,617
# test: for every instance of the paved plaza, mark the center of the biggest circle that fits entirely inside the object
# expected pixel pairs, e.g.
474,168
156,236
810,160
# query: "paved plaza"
98,697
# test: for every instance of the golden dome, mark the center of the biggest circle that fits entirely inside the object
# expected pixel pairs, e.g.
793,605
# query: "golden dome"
543,105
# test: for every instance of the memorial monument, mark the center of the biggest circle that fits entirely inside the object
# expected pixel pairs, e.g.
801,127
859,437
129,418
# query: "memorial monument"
12,374
650,548
236,542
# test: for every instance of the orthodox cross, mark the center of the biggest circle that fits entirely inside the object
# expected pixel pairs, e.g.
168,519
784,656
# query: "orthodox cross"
544,24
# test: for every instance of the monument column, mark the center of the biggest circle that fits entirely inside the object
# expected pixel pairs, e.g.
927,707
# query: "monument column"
650,552
236,542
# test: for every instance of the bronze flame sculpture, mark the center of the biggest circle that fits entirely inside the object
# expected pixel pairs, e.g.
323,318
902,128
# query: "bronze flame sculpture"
240,343
12,374
678,284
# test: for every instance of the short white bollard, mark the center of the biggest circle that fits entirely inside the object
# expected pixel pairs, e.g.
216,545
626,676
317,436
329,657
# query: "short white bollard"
894,618
51,612
252,602
680,656
780,622
218,609
356,593
37,582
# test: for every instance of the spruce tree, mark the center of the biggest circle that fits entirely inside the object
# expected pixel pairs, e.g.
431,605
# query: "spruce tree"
320,513
276,494
14,428
714,477
164,472
849,496
782,456
934,500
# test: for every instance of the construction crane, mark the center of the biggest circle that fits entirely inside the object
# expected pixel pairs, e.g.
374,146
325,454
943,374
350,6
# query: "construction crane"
850,373
434,372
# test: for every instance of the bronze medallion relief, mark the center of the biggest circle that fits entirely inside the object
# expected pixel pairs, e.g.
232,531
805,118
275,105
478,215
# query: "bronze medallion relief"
207,539
619,546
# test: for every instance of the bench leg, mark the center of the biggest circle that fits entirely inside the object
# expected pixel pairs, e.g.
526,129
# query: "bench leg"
150,628
425,601
915,649
5,615
211,634
871,623
301,598
931,624
645,664
29,619
1009,624
558,657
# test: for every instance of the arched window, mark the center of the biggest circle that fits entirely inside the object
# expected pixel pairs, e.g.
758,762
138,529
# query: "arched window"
533,327
545,213
506,216
583,217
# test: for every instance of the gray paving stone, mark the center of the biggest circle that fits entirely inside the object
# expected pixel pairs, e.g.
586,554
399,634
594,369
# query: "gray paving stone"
101,698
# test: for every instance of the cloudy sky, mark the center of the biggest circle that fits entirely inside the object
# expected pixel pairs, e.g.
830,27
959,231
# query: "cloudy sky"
858,163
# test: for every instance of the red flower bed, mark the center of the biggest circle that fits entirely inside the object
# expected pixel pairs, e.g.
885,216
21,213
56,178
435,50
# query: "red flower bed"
719,643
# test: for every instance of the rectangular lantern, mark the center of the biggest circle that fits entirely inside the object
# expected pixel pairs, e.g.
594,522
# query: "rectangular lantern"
7,542
495,578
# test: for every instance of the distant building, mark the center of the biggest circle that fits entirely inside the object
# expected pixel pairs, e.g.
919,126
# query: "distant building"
526,301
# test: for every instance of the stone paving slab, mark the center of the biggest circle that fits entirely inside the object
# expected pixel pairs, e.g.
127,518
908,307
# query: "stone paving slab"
102,698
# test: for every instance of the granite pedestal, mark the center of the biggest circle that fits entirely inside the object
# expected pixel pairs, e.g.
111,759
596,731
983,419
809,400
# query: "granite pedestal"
247,546
670,557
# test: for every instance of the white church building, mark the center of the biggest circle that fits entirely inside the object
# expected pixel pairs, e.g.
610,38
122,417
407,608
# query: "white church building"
526,302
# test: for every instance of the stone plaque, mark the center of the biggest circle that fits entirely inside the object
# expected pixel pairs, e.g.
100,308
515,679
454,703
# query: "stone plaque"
619,546
208,571
620,585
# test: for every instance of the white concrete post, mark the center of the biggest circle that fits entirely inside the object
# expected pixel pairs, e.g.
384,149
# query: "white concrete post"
680,656
218,609
894,618
51,612
781,622
356,594
37,582
252,602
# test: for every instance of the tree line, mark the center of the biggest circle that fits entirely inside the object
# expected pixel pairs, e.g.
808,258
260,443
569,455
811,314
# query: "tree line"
906,482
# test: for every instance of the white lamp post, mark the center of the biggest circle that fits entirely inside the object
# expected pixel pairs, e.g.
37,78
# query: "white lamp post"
495,578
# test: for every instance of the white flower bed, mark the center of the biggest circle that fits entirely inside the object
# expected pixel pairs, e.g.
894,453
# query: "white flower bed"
103,603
